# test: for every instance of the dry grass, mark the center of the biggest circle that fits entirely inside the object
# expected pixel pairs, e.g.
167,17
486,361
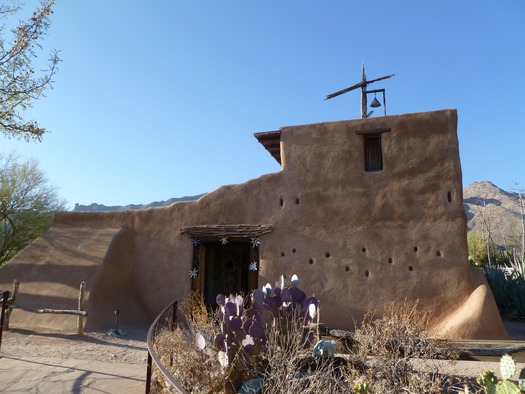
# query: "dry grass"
196,370
287,366
395,347
191,367
382,357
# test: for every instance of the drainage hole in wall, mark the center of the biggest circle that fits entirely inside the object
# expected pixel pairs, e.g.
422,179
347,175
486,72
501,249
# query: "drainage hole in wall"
438,253
297,201
416,248
449,197
390,261
410,268
327,254
367,273
281,202
293,250
282,254
311,261
347,268
363,250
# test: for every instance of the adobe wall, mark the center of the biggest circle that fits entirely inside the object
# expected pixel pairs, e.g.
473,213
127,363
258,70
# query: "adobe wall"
51,269
357,240
364,239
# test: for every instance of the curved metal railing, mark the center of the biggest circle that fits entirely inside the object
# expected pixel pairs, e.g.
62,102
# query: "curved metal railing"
167,318
4,297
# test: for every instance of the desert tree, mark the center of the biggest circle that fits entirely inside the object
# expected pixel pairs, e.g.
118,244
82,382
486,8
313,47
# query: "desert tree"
22,80
520,239
487,232
477,248
512,234
27,204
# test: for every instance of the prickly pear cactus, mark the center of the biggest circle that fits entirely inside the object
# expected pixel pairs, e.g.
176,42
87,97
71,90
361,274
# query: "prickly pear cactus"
488,380
244,325
507,367
507,387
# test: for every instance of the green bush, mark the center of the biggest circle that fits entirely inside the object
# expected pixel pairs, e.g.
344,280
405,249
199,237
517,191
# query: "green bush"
477,249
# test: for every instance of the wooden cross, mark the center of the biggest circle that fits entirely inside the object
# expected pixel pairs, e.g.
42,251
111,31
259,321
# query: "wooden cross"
364,92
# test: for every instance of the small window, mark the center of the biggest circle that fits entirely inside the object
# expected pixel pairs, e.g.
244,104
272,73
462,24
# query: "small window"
373,154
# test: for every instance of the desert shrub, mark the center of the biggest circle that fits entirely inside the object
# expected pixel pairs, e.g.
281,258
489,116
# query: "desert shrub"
288,366
392,345
195,370
267,338
226,352
194,315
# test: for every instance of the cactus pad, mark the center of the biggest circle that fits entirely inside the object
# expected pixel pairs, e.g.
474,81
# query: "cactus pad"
507,387
507,367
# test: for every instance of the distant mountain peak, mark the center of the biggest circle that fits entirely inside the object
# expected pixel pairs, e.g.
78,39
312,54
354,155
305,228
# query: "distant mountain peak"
94,207
484,202
483,184
485,189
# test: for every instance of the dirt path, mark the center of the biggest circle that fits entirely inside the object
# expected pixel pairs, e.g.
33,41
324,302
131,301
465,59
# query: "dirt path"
50,362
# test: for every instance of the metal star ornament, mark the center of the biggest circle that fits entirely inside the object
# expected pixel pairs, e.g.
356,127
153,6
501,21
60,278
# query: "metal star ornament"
224,240
193,273
253,266
255,242
196,242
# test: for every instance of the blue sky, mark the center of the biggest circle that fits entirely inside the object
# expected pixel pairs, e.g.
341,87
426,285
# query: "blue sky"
160,99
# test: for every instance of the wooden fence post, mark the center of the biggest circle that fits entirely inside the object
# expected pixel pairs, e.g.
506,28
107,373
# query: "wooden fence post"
80,319
80,312
10,303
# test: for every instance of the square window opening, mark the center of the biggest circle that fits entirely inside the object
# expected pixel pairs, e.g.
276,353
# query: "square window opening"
373,153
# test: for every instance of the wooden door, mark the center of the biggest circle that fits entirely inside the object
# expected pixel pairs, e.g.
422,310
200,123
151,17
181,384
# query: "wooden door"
226,269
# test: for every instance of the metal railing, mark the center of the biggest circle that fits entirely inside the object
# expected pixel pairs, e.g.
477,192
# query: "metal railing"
166,319
4,296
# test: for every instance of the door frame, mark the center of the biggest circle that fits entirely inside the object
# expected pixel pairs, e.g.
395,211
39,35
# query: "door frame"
198,283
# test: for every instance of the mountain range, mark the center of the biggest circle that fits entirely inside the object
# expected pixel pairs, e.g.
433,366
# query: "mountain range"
101,207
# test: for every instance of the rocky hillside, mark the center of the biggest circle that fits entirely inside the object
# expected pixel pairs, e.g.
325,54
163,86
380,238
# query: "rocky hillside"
499,209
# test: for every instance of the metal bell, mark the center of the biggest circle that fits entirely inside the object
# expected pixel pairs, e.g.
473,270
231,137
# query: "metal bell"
375,103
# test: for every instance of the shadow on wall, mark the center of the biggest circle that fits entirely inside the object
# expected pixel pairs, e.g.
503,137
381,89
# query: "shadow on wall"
51,269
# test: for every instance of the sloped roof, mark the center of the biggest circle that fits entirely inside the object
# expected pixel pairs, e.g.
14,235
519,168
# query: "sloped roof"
271,140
